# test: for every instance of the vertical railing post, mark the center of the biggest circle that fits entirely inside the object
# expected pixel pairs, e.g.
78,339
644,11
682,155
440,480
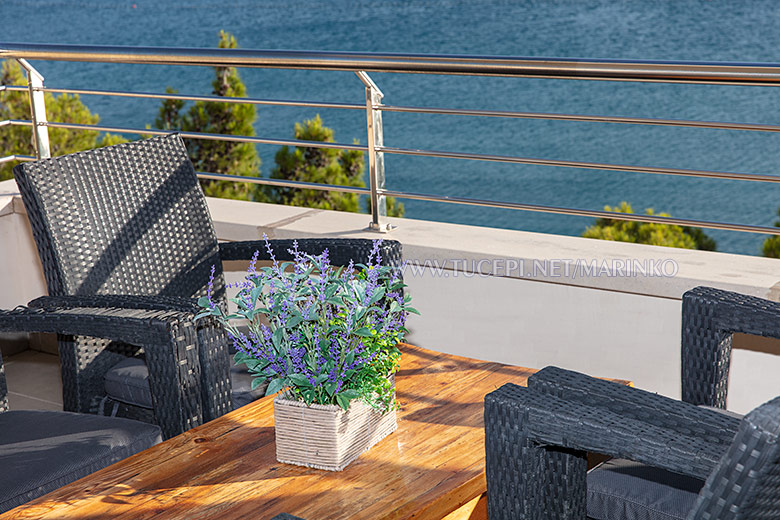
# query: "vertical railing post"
376,159
38,110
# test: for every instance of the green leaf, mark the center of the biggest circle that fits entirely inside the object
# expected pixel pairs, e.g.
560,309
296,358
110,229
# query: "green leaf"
350,394
330,388
412,310
363,331
379,293
342,401
275,385
255,293
277,337
203,315
203,301
253,364
258,381
321,379
299,380
293,321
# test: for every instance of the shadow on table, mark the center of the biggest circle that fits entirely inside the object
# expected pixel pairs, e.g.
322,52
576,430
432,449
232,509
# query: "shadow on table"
204,474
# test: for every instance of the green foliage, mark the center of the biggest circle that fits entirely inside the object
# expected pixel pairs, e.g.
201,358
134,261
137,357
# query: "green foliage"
645,233
323,166
771,248
213,117
63,109
332,333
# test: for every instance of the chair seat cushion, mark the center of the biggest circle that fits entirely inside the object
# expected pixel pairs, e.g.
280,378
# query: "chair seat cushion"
128,382
43,450
621,489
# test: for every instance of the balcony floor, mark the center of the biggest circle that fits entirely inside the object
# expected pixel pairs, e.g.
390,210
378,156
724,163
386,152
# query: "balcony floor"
34,381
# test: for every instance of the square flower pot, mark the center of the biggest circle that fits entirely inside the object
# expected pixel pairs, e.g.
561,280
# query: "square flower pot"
325,436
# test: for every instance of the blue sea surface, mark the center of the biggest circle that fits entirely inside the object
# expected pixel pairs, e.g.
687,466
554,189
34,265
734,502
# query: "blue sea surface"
717,30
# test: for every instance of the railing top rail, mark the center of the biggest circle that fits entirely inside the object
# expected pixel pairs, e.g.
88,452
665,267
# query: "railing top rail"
734,73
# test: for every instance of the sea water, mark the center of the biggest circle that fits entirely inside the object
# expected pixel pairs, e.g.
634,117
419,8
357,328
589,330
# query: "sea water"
717,30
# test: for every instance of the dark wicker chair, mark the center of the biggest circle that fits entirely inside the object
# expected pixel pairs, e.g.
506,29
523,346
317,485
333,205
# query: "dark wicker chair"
712,464
42,450
537,439
126,229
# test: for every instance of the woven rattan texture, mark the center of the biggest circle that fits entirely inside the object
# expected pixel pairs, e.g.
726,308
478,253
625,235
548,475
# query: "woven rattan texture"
530,433
709,318
168,337
525,480
746,483
3,388
127,219
636,404
151,303
340,251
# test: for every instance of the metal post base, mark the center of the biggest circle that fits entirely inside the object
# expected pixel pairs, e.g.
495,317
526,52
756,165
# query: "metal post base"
381,228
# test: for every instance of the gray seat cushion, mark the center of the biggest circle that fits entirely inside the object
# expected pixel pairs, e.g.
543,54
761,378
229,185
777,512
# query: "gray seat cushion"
621,489
626,490
42,450
128,382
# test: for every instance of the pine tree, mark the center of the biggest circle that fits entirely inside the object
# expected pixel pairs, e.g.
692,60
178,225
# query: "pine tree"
228,157
668,235
323,166
18,140
771,247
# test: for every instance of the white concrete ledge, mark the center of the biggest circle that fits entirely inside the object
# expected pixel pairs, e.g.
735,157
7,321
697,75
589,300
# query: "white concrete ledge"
631,268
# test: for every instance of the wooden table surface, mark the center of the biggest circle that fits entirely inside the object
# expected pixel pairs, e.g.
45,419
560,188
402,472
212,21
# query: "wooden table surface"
433,464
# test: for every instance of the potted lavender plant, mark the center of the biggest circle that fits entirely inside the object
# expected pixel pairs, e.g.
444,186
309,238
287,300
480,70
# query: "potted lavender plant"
325,338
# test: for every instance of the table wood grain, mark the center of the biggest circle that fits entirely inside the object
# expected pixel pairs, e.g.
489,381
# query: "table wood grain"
431,466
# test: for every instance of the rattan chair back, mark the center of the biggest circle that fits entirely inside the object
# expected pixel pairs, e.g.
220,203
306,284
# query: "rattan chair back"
125,219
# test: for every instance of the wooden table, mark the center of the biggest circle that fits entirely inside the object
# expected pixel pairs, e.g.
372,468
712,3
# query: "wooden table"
432,467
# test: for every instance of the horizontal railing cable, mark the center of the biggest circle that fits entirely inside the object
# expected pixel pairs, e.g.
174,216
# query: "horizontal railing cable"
283,183
583,118
722,125
580,164
10,158
583,212
213,137
217,99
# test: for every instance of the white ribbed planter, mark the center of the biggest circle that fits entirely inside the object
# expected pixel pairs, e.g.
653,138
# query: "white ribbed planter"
325,436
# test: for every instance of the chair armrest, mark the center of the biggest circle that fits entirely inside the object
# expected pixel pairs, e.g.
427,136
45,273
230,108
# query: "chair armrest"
340,250
636,404
682,446
709,318
169,339
151,303
536,462
536,444
3,388
135,326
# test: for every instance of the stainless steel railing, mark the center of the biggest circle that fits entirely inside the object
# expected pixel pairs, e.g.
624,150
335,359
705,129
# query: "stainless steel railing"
755,74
